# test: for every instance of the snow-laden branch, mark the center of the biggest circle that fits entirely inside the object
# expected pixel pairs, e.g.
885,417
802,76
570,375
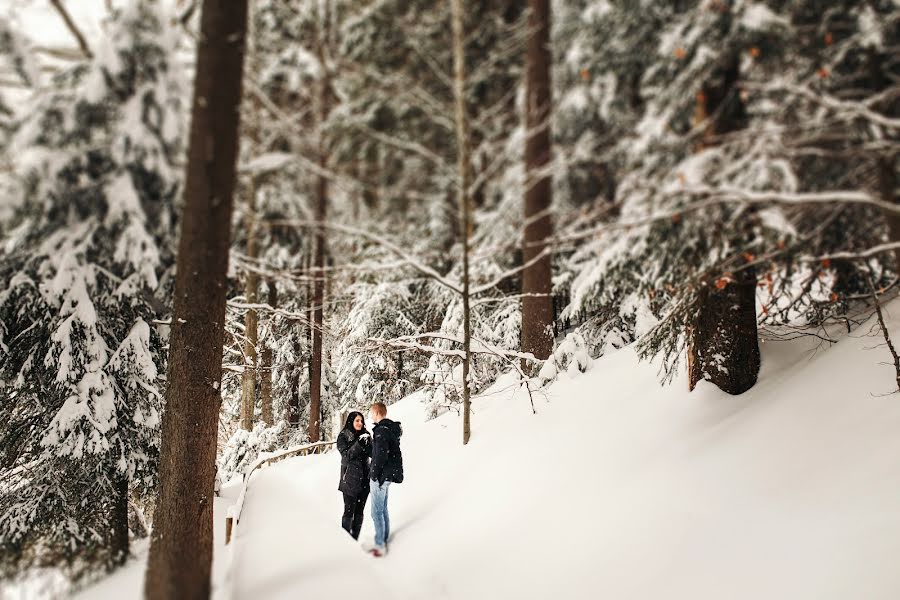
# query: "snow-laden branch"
480,289
731,194
402,144
266,270
413,342
404,256
408,260
849,107
724,195
874,251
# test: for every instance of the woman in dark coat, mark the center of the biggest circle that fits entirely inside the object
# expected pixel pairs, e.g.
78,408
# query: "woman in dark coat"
355,445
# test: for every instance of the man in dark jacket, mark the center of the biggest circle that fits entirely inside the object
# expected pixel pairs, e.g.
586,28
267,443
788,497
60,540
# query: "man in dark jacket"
387,468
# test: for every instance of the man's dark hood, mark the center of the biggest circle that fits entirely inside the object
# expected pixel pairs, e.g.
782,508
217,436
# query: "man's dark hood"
393,426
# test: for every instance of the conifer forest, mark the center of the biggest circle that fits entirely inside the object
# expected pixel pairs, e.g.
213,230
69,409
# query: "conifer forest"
576,228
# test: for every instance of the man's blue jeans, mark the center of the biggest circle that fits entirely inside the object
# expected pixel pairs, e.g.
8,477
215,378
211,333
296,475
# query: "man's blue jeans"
379,498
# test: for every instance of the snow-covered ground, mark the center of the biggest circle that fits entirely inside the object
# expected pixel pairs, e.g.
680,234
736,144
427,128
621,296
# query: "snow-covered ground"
617,488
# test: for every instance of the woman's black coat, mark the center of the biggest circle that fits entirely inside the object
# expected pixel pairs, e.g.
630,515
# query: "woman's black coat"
355,449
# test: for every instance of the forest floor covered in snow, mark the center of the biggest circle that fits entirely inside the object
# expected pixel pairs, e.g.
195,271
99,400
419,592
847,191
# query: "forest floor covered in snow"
617,487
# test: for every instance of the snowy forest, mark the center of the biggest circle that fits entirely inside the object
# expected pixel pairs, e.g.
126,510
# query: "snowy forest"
226,224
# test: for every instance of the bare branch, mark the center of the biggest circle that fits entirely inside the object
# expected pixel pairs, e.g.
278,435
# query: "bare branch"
73,28
885,332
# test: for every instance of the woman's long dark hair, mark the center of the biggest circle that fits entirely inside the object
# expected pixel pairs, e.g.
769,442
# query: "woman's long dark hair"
348,425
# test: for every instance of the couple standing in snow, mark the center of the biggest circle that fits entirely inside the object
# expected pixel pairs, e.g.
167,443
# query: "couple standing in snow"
360,476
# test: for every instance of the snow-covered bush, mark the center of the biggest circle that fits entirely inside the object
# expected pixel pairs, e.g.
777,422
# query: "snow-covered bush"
244,447
571,357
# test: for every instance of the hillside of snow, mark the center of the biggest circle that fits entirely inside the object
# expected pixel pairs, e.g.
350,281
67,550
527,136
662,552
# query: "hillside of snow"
616,488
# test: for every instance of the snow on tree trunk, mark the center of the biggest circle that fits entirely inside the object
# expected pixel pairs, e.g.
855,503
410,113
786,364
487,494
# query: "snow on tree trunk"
537,305
724,346
181,545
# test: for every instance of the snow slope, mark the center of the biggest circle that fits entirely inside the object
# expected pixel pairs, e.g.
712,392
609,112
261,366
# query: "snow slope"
617,488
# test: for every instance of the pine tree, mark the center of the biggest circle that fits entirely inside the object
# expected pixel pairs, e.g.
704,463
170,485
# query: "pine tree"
655,262
84,269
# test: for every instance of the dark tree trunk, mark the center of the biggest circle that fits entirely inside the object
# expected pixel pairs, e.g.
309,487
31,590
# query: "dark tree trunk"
119,543
885,165
537,308
887,184
265,383
181,543
315,379
293,407
724,346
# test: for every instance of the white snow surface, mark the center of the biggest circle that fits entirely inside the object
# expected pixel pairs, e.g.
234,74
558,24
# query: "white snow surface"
616,488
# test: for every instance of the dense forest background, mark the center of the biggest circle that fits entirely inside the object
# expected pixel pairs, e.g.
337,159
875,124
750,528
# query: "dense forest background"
704,176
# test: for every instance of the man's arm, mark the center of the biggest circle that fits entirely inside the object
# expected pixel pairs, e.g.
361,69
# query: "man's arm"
379,454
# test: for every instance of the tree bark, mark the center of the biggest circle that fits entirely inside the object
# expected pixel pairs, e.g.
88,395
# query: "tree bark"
465,200
181,543
119,543
265,384
293,406
724,345
887,184
251,318
318,297
537,306
315,380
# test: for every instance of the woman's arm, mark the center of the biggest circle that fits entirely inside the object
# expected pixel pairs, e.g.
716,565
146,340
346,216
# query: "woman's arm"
343,444
360,448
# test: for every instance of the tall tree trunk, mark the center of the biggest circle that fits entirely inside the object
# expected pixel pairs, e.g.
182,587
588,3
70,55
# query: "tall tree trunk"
265,384
251,319
886,180
181,543
724,345
537,306
119,543
250,131
293,406
315,380
463,174
318,298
